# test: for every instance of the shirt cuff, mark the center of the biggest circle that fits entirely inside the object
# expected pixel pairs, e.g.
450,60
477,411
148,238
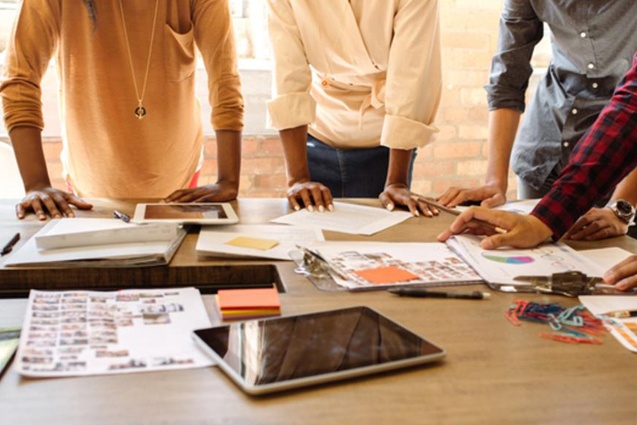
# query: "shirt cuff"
291,111
404,133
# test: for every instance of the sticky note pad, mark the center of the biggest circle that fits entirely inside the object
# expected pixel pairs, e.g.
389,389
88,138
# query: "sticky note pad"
254,243
389,274
248,299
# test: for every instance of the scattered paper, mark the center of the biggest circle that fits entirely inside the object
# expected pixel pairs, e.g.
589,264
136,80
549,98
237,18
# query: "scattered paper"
215,240
501,266
374,265
347,218
70,333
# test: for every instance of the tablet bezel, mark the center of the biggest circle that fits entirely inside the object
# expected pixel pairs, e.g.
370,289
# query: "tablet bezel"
231,216
324,377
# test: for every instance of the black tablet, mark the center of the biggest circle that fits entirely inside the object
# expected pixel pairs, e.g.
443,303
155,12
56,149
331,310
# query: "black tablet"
269,355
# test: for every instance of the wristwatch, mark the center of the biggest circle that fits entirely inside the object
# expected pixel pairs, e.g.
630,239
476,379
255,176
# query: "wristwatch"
623,209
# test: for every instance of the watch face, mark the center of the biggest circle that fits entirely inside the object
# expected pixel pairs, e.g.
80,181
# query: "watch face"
624,207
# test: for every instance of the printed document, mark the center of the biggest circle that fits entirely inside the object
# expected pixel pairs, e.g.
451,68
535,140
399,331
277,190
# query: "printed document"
347,218
255,240
501,266
71,333
379,265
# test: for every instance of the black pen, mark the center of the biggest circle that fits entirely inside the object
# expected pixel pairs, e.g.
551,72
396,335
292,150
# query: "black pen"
122,216
425,293
9,246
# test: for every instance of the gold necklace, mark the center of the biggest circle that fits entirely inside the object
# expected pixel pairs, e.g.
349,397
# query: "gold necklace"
140,111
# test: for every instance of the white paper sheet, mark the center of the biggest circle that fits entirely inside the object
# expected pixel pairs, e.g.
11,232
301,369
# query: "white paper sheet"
606,258
71,333
434,263
624,330
347,218
213,240
501,266
524,206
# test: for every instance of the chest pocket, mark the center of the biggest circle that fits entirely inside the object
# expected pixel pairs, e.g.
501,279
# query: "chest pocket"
179,54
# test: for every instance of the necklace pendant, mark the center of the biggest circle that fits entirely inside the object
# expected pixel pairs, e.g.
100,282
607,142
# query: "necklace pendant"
140,112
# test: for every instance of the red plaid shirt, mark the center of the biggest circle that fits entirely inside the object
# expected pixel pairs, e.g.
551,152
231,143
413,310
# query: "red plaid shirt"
601,159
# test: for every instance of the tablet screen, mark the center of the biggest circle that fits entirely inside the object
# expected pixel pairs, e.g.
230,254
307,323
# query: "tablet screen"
187,213
263,352
183,211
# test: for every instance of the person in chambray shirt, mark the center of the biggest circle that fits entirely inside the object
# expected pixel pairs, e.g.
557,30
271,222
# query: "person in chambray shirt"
592,43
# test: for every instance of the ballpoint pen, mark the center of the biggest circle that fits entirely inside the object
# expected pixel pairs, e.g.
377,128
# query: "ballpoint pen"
425,293
453,211
9,246
122,216
621,314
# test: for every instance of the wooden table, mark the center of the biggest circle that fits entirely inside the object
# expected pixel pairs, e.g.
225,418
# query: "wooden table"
494,372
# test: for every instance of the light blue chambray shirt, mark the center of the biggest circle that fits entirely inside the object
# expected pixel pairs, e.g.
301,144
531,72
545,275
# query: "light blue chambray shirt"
592,43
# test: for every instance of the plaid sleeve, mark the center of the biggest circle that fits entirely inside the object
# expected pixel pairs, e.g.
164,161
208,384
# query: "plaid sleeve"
601,159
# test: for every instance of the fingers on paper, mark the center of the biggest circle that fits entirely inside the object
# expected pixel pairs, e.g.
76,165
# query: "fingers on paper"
624,274
310,195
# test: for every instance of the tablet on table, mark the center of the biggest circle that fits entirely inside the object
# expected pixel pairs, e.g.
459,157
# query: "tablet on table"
186,213
269,355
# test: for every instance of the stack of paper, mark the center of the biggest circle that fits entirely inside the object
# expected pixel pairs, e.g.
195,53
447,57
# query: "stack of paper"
98,242
234,304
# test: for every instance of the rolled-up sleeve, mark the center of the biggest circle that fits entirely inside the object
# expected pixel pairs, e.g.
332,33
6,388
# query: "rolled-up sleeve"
292,104
520,31
30,48
215,39
414,77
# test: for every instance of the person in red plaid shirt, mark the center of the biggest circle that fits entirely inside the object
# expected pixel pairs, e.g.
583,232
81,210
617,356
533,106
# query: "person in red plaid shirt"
604,155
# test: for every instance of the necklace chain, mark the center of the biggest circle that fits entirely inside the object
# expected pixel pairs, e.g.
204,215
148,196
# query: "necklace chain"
140,111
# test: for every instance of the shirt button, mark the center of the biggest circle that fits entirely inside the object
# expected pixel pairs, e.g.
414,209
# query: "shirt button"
574,111
582,34
565,144
324,83
591,66
595,85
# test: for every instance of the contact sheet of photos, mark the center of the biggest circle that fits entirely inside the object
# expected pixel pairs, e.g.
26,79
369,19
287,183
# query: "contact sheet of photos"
68,333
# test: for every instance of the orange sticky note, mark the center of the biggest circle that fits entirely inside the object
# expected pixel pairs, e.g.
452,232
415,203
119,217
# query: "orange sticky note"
248,299
389,274
254,243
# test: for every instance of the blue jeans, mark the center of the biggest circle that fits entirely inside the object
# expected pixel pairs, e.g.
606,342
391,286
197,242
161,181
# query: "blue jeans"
350,173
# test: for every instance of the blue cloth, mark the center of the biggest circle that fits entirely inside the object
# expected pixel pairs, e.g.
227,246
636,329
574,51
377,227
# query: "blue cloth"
592,43
350,173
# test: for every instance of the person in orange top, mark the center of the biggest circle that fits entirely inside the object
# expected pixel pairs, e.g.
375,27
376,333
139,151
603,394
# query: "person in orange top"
131,121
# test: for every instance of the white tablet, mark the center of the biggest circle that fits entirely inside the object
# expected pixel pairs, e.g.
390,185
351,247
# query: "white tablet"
193,213
269,355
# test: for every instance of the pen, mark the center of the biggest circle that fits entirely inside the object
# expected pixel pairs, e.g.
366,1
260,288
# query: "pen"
621,314
431,202
9,246
425,293
122,216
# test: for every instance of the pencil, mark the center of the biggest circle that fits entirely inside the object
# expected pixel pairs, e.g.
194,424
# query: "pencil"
453,211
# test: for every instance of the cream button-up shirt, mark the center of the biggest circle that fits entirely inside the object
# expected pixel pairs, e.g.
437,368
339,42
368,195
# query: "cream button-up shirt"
360,72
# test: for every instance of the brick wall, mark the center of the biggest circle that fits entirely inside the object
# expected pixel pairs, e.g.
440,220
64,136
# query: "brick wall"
458,154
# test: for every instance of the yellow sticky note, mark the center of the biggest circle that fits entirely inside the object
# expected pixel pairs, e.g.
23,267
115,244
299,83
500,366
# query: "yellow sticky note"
254,243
